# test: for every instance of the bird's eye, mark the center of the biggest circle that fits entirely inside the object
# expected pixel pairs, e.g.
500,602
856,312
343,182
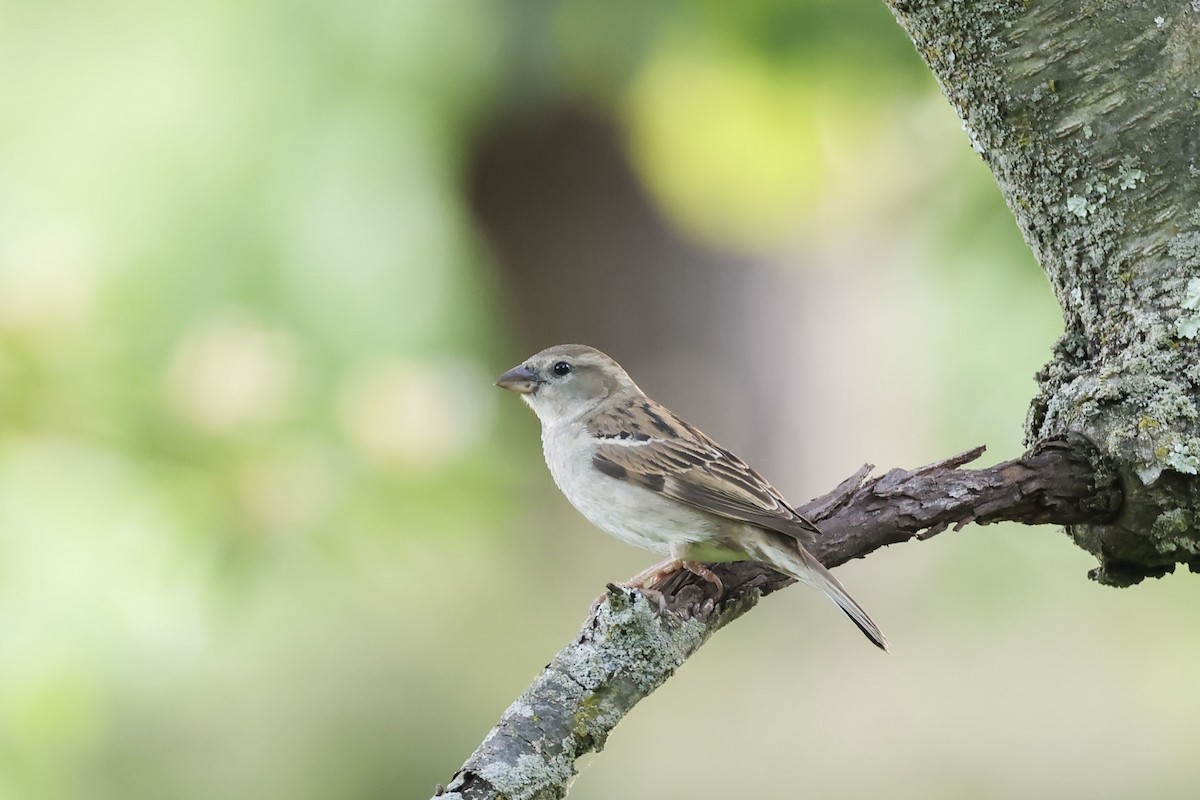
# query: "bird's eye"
561,368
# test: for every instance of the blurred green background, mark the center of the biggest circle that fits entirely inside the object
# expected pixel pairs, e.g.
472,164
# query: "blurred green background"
266,528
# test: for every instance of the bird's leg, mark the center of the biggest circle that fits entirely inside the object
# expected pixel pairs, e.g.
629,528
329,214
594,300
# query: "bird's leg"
645,580
696,568
652,575
655,573
648,578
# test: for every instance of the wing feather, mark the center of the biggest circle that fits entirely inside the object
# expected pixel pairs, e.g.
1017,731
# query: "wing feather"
648,445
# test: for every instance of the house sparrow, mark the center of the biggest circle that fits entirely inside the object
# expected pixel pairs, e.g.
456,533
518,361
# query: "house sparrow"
642,474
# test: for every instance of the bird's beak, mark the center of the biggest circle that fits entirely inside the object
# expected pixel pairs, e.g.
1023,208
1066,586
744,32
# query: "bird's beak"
521,380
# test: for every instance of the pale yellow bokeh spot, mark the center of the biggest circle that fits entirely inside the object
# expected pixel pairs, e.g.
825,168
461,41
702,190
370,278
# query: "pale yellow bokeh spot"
727,144
407,412
50,269
231,371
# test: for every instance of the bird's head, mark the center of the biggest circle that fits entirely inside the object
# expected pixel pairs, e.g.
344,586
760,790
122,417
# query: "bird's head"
565,381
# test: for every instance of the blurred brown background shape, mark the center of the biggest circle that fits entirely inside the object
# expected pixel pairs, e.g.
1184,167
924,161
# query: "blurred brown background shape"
587,257
268,531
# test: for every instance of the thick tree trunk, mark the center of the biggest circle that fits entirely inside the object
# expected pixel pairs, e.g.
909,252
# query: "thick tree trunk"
1089,116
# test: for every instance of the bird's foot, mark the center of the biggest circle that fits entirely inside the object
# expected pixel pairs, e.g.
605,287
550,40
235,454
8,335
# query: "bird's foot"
654,574
648,579
644,582
696,568
653,595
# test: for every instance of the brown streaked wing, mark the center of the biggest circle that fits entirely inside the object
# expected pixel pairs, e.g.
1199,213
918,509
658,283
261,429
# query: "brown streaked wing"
648,445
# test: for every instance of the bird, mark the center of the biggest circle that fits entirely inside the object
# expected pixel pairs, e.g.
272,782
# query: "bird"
636,470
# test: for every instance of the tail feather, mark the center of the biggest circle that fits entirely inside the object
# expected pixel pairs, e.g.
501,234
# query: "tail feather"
837,593
789,556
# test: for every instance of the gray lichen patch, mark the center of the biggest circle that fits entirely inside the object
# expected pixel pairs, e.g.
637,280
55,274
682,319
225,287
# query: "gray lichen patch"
626,651
527,770
1188,324
1173,531
631,630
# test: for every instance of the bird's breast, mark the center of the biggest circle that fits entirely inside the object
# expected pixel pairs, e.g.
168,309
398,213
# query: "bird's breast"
634,514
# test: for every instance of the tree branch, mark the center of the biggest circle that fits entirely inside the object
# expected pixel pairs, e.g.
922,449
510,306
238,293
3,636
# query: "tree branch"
628,648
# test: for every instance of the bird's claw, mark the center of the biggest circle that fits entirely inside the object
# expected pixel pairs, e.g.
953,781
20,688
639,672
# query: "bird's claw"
655,596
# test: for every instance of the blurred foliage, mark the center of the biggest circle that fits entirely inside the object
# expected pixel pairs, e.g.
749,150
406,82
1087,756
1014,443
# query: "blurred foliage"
259,515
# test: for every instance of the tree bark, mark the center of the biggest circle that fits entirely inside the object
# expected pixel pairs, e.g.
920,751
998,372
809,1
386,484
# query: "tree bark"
1088,114
629,647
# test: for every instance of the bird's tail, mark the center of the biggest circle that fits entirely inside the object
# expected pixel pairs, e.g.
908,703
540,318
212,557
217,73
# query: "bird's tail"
789,556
